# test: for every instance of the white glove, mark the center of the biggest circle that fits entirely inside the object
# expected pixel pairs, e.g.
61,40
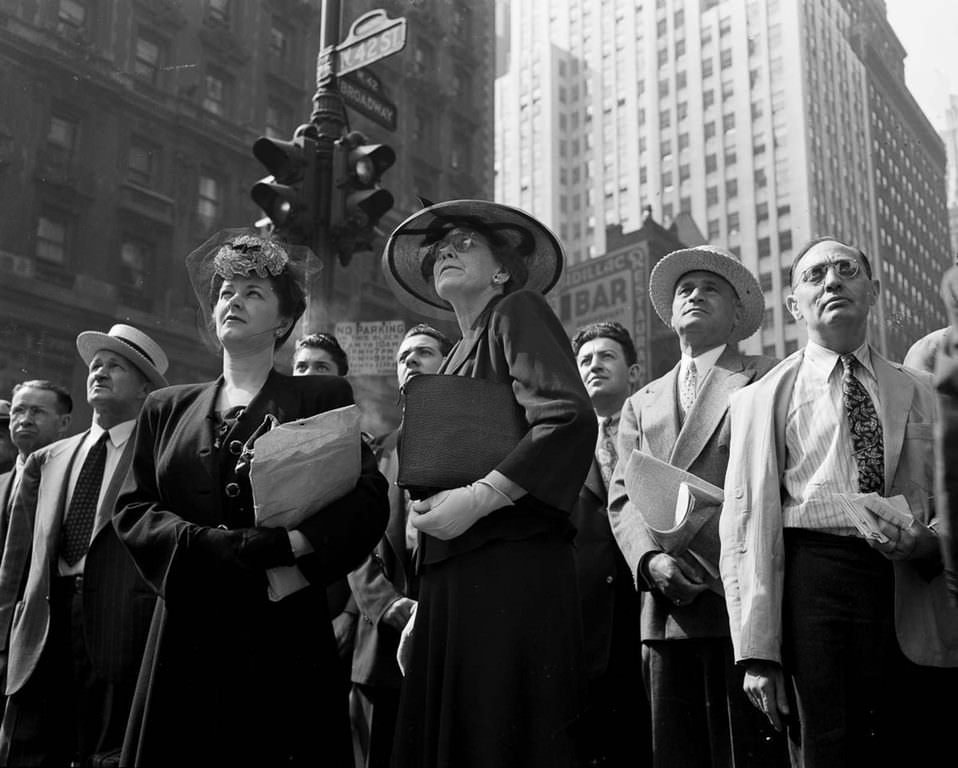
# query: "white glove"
451,513
404,651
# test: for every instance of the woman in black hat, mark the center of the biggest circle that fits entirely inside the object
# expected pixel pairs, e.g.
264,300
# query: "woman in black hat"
494,677
235,673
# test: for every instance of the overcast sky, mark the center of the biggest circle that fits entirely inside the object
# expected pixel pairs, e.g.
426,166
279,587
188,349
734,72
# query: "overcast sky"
929,31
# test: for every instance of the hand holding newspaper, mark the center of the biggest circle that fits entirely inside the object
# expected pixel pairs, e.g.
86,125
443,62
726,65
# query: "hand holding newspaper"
297,469
864,509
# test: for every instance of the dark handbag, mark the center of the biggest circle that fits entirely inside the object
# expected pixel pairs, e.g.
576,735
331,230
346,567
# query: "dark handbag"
454,431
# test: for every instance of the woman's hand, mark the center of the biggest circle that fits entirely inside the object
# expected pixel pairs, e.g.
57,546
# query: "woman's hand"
256,548
449,514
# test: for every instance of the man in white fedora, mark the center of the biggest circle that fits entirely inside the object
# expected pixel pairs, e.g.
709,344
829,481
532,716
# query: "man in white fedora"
72,643
700,715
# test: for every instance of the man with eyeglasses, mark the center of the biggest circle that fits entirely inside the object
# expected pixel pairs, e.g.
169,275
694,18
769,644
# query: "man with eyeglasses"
843,636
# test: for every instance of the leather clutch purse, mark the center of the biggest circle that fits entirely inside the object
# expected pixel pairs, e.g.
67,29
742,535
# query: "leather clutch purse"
454,431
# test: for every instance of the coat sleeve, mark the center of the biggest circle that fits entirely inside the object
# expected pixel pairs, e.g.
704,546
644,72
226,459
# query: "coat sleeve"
752,561
344,532
552,459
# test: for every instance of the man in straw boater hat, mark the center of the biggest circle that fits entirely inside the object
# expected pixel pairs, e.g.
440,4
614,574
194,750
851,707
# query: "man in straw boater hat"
700,715
77,637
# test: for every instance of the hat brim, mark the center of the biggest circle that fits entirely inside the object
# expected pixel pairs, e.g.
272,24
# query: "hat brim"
91,342
403,254
666,273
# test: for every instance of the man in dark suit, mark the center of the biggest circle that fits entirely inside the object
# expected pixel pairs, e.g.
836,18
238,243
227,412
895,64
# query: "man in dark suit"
384,586
70,597
700,716
616,730
39,414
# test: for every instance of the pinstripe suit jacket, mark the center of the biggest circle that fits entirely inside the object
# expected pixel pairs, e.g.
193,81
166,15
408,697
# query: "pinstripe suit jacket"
117,603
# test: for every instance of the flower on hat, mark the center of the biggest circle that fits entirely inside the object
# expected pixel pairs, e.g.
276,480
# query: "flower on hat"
242,255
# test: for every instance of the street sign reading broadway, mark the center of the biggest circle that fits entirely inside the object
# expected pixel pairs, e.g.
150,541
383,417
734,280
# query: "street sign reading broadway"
373,36
362,91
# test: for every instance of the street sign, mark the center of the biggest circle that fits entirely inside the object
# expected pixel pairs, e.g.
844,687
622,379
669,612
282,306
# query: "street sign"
371,345
369,103
373,36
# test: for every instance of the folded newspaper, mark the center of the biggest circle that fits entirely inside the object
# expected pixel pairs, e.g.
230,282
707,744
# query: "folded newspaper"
680,511
864,510
297,469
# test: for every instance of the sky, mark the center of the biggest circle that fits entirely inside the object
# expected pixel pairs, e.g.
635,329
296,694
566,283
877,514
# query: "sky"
929,31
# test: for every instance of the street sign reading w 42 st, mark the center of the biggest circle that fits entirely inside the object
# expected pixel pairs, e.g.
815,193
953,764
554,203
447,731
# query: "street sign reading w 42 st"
373,36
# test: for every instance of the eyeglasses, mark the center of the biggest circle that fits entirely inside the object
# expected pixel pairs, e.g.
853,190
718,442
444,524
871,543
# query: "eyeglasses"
462,242
846,269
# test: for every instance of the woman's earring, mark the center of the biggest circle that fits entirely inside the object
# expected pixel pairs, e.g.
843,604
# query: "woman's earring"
500,277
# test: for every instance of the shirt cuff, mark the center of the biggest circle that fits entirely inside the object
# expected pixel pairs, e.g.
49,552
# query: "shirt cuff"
299,543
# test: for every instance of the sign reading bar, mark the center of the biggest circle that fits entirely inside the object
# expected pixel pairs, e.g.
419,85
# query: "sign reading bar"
371,345
373,36
608,289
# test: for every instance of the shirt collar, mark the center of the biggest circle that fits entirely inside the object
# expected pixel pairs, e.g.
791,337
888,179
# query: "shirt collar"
825,360
705,361
119,433
610,420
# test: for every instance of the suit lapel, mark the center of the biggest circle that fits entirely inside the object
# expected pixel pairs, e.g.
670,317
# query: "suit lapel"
594,482
710,407
104,512
660,415
896,391
52,496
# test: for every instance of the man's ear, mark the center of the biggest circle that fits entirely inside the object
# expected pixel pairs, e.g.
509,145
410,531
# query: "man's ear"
635,371
791,304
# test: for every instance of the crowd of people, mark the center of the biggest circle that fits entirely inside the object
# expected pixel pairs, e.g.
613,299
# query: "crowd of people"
539,613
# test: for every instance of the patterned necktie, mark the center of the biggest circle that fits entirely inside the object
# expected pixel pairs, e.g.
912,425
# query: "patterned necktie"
688,388
605,452
865,428
75,538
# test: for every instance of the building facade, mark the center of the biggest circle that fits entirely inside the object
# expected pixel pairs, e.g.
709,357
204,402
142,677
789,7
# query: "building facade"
770,122
125,141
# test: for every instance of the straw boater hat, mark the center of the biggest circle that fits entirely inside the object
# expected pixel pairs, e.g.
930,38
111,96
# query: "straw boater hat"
708,258
129,343
405,249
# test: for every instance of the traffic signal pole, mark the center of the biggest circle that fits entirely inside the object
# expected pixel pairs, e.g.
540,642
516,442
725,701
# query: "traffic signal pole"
329,119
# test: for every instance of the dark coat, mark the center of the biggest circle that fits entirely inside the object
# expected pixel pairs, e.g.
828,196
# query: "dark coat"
606,589
232,677
385,576
946,459
7,482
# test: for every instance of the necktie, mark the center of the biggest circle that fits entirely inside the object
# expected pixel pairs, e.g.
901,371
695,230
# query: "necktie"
688,388
865,428
79,522
605,452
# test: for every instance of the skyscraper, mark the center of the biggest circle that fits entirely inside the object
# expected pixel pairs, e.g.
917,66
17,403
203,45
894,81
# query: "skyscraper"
770,122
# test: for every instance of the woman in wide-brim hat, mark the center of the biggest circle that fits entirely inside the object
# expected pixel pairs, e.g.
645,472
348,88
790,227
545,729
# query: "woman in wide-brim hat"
237,674
494,677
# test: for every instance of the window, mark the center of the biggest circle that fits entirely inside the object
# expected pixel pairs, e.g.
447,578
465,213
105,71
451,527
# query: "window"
732,222
725,58
681,110
279,119
764,247
665,119
711,196
711,163
71,15
209,199
139,164
52,233
730,157
219,10
761,212
765,281
62,134
663,57
707,67
663,88
679,48
666,148
684,172
136,264
148,57
728,122
215,97
424,58
680,80
785,240
714,230
731,189
760,179
709,130
279,41
708,99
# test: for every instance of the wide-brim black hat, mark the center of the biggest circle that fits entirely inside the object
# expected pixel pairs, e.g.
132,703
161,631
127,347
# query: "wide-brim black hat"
405,250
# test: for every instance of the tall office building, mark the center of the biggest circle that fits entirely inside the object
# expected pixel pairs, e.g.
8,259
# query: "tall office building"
770,122
950,136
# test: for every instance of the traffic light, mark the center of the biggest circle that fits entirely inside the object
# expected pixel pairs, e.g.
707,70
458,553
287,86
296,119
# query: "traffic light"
358,201
289,195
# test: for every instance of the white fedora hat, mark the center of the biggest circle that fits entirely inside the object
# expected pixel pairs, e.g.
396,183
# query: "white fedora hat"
130,343
708,258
